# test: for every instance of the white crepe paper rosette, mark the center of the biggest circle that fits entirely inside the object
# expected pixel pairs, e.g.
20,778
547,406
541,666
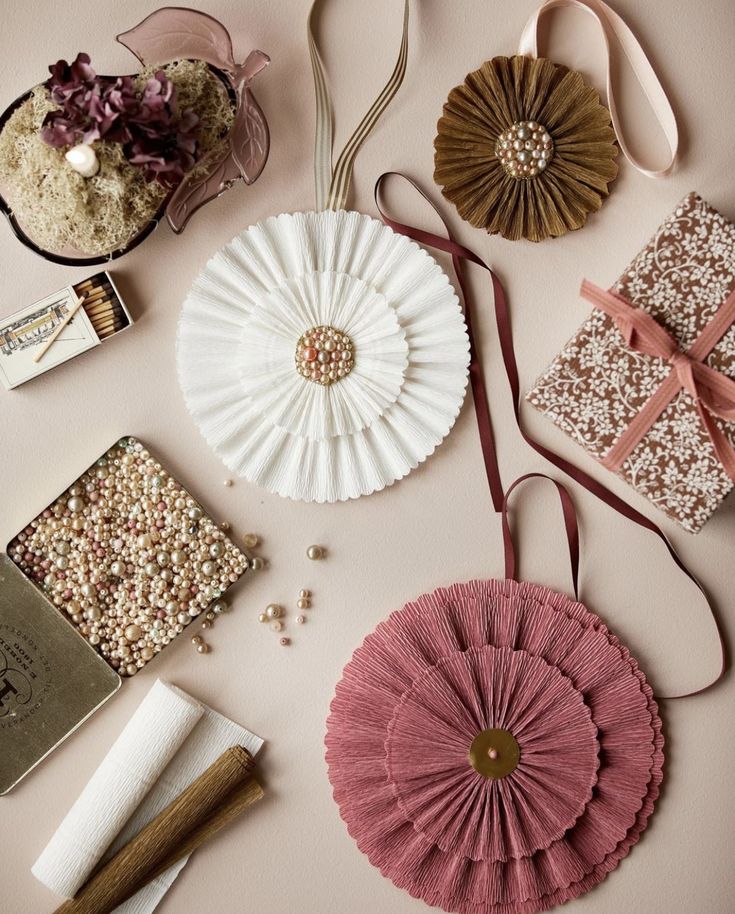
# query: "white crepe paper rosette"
236,353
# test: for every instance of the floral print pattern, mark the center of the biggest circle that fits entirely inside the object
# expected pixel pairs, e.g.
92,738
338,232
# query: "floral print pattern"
596,385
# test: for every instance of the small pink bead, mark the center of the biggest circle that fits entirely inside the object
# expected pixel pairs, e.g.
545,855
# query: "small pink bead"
93,496
284,641
310,354
100,553
161,505
160,614
492,753
68,594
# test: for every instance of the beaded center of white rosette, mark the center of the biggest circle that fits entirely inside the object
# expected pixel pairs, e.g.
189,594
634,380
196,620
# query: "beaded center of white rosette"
323,355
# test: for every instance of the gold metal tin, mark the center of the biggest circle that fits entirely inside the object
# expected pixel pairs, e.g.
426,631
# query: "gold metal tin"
51,680
494,753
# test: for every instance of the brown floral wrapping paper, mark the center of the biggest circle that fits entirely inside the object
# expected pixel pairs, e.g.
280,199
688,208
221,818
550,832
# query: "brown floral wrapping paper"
596,385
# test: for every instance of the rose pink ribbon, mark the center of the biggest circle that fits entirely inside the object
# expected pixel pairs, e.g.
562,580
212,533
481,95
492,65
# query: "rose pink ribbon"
617,37
712,391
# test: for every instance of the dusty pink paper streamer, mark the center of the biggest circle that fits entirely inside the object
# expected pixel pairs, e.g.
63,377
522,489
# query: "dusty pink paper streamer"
415,819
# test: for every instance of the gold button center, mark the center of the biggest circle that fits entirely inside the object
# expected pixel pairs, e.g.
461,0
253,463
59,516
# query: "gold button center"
494,753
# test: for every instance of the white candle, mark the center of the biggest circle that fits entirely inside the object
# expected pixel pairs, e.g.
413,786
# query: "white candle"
83,159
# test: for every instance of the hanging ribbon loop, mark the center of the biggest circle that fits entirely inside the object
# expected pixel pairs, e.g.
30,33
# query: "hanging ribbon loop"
571,528
617,34
712,391
333,185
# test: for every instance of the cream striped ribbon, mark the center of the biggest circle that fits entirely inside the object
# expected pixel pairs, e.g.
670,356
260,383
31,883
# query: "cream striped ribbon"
333,185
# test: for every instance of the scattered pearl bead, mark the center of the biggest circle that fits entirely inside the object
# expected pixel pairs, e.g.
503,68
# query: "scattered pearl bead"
203,648
257,563
227,483
262,617
304,594
273,611
276,626
300,620
284,642
315,552
250,540
303,604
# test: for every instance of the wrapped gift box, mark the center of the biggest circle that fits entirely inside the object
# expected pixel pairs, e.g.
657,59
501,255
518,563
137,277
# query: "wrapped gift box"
598,384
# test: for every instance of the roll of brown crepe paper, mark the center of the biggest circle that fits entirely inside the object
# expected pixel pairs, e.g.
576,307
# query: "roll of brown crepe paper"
224,790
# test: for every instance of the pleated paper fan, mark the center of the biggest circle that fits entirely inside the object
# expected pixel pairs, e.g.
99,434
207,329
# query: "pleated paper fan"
271,291
494,748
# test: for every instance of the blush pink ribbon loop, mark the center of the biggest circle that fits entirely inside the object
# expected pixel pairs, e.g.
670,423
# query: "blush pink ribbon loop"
712,391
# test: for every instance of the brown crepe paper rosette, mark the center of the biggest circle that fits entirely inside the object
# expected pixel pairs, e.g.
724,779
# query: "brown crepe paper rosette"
473,168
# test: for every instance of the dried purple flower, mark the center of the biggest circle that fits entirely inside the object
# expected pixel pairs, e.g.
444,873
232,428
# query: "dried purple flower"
166,156
146,123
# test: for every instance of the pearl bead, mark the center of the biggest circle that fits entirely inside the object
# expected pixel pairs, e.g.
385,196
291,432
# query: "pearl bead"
75,504
257,563
276,626
195,513
303,603
219,607
300,619
209,568
304,594
273,611
196,639
250,540
216,550
315,552
203,648
284,642
262,617
227,483
133,632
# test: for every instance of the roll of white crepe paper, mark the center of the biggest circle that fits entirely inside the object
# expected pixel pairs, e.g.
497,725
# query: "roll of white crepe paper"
169,741
151,738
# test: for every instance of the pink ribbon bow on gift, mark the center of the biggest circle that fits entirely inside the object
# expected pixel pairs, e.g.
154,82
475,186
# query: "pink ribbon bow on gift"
712,391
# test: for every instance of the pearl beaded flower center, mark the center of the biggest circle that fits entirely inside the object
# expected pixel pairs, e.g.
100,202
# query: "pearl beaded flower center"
525,149
324,355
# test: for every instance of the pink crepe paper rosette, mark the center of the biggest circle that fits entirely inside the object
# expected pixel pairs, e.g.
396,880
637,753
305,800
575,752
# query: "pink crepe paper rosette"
507,655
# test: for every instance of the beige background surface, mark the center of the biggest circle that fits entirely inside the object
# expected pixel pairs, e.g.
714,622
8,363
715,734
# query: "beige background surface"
293,853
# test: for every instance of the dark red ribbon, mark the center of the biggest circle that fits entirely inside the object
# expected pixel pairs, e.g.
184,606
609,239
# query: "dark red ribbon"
459,255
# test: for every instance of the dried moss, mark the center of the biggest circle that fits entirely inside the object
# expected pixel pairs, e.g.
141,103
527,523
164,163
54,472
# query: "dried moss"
58,208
